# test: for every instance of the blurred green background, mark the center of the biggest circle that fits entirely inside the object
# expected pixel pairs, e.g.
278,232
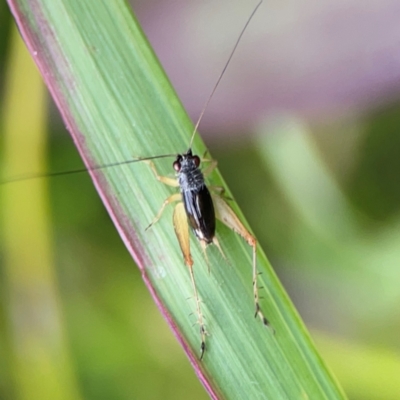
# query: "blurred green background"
321,193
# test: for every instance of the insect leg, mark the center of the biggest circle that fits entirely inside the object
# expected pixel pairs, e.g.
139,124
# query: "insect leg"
181,227
167,181
210,168
216,189
164,179
220,191
168,200
226,215
204,248
203,245
199,315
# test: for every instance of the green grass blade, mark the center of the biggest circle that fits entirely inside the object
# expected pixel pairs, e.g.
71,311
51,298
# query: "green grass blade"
118,104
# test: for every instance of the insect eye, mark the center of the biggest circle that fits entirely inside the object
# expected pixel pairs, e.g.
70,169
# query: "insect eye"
196,160
177,166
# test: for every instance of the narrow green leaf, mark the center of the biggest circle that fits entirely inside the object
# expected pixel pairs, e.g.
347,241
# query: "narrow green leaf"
118,104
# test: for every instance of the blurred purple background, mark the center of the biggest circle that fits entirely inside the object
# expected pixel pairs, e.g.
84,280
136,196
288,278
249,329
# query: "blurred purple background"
319,60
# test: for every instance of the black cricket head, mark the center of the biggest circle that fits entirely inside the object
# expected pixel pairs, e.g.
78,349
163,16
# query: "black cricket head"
186,161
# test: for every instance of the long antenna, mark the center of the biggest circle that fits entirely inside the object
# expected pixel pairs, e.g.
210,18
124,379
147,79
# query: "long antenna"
26,177
222,73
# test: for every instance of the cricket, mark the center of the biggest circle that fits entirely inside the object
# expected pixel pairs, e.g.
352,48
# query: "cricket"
197,206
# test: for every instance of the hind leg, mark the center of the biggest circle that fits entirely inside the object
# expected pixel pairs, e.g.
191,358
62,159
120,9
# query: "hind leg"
226,215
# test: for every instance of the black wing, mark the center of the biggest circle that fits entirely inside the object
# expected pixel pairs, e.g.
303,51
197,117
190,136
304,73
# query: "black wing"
200,212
